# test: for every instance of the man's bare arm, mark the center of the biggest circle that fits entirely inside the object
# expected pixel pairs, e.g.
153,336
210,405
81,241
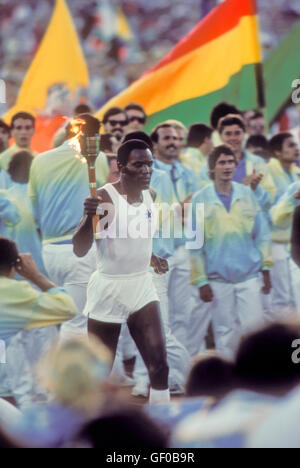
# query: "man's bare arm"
84,236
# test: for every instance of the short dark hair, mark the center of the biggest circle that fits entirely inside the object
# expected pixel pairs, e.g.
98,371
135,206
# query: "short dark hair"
277,141
231,120
113,111
197,134
154,133
135,106
126,148
256,115
91,126
214,156
127,428
24,116
8,255
210,376
258,140
263,359
5,127
21,159
221,110
82,109
139,136
105,143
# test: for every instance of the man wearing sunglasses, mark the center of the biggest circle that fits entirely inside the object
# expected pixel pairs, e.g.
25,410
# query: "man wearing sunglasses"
136,117
22,130
114,122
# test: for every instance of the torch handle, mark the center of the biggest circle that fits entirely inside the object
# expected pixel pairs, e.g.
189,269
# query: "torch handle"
93,193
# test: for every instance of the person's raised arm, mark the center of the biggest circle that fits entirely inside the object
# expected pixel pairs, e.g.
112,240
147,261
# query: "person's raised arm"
84,235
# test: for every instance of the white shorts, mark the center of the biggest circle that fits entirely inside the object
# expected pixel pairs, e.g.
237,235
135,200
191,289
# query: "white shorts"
113,298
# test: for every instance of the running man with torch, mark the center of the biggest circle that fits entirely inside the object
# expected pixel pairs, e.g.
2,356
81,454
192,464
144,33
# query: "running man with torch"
122,289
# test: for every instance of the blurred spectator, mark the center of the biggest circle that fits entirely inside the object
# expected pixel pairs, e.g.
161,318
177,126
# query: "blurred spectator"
136,117
127,429
4,136
75,373
256,124
258,144
115,121
210,376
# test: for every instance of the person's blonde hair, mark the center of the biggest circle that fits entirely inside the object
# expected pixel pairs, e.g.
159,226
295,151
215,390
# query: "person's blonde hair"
75,372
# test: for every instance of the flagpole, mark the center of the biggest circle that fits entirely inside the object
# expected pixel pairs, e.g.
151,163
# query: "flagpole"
260,83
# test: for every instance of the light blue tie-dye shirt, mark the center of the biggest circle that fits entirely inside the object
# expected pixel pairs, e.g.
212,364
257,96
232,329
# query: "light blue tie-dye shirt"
58,186
237,243
184,185
161,183
18,222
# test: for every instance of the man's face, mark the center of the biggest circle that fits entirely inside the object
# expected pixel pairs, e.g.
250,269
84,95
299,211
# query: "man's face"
116,125
167,147
259,151
136,120
233,136
139,168
4,139
290,151
22,132
256,126
224,168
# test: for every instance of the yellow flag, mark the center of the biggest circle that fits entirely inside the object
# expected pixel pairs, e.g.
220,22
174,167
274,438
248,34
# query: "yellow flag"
59,59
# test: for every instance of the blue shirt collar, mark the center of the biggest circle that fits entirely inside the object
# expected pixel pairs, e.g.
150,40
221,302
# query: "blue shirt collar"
237,193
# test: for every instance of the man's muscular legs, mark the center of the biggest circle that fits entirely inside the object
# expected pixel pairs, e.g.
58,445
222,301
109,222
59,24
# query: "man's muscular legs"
146,330
108,333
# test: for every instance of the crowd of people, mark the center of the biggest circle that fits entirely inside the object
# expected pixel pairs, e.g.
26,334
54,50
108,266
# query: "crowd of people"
176,282
114,61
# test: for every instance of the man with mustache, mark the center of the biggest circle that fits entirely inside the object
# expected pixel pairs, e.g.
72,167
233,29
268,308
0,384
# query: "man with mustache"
183,298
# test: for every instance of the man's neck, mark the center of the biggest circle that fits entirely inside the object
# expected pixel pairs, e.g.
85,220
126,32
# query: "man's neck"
133,193
223,187
203,150
286,165
239,155
164,160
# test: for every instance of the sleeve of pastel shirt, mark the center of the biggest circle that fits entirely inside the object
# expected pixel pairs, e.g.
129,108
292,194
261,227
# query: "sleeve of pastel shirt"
51,308
194,185
267,182
9,212
263,198
32,193
262,238
282,212
204,176
196,243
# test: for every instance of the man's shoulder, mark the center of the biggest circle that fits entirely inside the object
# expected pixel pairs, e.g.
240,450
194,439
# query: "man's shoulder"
50,154
205,193
104,194
256,160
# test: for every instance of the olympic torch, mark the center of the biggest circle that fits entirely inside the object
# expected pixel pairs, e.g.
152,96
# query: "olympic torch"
90,147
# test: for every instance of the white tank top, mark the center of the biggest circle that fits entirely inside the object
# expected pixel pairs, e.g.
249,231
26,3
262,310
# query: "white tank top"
125,247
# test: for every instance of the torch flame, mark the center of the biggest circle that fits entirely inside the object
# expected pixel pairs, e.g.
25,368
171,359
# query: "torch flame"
76,129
